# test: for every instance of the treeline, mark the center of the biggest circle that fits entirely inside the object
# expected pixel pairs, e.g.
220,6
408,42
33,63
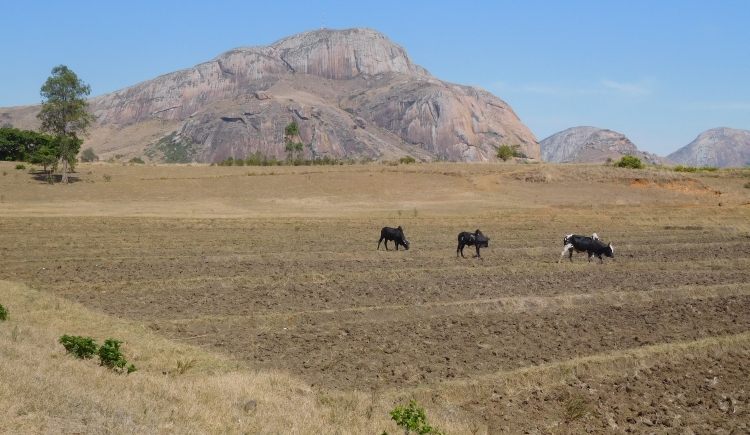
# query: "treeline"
260,159
18,145
37,148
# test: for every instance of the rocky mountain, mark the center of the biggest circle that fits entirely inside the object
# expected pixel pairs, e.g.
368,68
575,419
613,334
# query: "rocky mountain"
719,147
354,93
591,144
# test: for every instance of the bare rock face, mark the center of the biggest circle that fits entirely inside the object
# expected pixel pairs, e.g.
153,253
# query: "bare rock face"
591,144
354,93
344,54
719,147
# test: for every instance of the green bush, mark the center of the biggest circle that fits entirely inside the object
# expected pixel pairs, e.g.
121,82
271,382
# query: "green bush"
747,185
506,152
88,155
3,313
20,167
413,419
631,162
81,347
407,160
137,160
680,168
111,357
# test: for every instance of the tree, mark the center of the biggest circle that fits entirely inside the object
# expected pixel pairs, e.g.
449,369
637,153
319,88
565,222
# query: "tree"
46,156
18,145
63,112
291,132
88,155
506,152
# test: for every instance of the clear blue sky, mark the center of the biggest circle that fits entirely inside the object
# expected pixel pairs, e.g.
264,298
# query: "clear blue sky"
661,72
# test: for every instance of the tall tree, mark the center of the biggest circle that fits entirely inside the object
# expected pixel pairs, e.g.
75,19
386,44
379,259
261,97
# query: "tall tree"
291,132
63,112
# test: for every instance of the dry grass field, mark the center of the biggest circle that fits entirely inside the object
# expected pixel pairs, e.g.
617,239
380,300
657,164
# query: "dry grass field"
267,283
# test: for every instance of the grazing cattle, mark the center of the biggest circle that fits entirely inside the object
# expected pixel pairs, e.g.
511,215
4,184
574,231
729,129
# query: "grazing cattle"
476,239
396,235
591,245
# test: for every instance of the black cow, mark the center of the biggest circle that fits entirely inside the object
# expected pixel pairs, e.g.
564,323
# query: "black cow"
591,245
394,234
472,239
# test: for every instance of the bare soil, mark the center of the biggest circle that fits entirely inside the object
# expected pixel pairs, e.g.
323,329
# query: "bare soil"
308,293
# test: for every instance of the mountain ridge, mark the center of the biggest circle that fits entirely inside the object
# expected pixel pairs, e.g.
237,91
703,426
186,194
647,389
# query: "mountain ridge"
721,147
353,92
592,144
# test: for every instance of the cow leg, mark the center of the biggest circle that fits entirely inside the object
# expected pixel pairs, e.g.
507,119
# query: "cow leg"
478,256
566,249
396,242
381,239
461,249
386,244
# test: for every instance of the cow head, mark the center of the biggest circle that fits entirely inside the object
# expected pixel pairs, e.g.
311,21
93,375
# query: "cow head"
403,241
610,251
480,240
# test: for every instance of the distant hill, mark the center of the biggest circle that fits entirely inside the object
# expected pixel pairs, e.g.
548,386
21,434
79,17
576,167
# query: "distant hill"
721,147
591,144
354,93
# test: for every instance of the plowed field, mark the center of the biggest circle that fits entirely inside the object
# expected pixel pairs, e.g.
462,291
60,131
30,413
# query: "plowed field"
308,293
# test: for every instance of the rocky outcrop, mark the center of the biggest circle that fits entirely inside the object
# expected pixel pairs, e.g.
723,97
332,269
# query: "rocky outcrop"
353,92
591,144
345,54
719,147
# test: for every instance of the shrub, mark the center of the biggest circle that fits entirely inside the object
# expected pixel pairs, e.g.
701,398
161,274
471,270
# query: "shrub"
111,357
680,168
137,160
3,313
506,152
631,162
107,177
88,155
575,409
413,419
407,160
20,167
747,185
81,347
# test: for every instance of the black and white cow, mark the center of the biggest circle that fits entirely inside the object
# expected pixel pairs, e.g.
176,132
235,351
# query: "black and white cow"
476,239
591,245
396,235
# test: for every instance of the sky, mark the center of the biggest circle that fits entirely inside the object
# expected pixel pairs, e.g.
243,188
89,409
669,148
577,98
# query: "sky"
660,72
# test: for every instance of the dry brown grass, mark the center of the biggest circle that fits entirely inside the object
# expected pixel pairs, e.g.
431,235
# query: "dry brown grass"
46,391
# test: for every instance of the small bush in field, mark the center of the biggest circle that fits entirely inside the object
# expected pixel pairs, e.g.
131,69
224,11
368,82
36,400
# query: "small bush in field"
81,347
747,185
111,357
137,160
506,152
407,160
413,419
3,313
631,162
20,167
